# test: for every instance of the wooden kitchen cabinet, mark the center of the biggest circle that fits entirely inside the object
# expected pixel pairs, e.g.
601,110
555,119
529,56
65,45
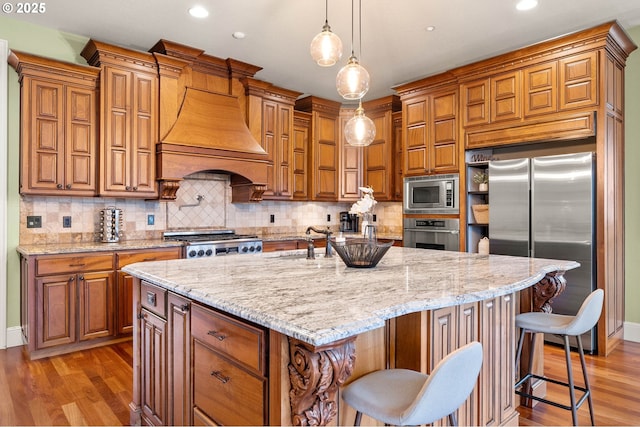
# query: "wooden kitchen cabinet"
179,361
301,141
398,181
124,282
351,161
129,120
429,126
324,147
59,125
380,164
67,302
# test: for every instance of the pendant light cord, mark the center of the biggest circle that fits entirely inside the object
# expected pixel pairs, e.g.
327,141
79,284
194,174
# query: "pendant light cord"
352,24
360,28
326,12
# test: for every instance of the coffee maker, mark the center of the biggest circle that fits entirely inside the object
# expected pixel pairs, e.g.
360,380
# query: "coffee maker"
348,222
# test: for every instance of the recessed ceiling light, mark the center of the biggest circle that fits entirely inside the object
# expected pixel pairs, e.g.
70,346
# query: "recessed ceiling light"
526,4
198,12
238,35
430,28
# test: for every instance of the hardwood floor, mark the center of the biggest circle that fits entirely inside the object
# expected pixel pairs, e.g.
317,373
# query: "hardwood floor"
93,387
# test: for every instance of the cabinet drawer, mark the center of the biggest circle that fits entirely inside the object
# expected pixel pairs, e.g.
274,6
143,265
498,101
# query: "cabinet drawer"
126,258
153,298
73,264
242,342
226,393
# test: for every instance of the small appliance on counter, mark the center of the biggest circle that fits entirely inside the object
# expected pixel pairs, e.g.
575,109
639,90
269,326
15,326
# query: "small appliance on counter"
110,225
348,222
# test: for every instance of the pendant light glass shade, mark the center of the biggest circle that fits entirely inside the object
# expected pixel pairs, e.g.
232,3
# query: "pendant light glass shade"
326,47
352,81
360,130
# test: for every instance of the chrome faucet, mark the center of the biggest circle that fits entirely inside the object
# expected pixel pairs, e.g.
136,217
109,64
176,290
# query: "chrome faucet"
327,233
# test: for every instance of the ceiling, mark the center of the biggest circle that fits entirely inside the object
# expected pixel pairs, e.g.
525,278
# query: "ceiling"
396,47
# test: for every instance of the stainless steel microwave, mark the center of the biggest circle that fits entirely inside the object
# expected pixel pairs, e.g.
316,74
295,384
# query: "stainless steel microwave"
432,194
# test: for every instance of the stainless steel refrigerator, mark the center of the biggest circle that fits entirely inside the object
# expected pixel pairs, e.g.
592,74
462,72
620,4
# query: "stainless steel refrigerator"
544,207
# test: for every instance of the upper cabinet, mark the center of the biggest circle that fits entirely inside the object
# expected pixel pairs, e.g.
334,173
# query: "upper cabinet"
129,120
301,141
380,158
58,120
270,112
324,147
429,126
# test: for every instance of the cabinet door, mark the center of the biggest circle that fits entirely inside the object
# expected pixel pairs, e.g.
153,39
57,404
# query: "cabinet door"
300,151
475,103
144,134
415,140
397,143
124,298
443,152
350,162
56,310
506,97
284,158
80,136
540,89
116,130
379,168
269,126
325,158
578,80
179,361
153,367
96,305
43,124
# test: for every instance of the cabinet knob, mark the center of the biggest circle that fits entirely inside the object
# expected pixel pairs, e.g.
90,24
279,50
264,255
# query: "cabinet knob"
68,186
70,279
135,188
184,307
81,278
127,188
59,186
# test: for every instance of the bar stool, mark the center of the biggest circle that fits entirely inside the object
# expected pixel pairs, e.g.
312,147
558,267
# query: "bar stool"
563,326
405,397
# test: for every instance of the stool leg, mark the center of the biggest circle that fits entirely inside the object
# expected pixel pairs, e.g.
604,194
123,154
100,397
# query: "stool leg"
453,420
586,380
572,393
528,402
519,353
358,418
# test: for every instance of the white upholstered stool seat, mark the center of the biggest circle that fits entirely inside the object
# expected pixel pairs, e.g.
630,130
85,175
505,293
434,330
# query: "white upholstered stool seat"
564,326
405,397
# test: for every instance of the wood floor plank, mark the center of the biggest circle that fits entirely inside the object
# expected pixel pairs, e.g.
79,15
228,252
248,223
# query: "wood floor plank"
93,387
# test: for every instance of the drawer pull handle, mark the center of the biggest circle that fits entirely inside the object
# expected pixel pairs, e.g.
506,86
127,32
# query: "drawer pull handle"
184,308
217,335
82,264
219,376
149,259
151,298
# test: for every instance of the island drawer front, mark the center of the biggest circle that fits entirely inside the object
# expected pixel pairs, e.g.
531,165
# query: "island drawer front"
242,342
153,298
225,392
74,264
126,258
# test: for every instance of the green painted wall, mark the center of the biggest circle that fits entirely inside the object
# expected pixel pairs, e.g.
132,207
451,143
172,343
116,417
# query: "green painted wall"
39,41
632,181
51,43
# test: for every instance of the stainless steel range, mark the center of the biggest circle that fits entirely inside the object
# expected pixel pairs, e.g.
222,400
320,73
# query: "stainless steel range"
205,243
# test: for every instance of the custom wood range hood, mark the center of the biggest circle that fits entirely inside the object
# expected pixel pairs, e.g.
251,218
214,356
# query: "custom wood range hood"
210,134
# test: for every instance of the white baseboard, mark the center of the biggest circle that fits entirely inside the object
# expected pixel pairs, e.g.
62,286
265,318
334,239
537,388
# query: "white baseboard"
14,336
632,331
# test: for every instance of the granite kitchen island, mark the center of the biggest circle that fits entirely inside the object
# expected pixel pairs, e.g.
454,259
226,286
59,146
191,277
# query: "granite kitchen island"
274,336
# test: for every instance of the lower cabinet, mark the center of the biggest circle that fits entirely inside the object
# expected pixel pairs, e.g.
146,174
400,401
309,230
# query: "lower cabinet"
75,301
194,365
420,340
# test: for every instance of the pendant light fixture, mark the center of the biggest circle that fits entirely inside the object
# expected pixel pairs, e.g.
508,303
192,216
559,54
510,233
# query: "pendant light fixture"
352,80
326,47
360,130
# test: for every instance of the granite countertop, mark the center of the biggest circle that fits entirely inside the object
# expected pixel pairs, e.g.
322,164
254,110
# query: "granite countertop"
69,248
321,300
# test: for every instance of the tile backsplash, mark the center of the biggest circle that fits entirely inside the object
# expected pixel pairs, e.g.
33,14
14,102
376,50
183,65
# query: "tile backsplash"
202,202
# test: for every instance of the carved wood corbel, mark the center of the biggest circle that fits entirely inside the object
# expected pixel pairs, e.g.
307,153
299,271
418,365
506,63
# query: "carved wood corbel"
547,289
316,373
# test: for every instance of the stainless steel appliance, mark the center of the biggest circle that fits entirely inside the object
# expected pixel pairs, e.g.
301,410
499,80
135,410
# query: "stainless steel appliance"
348,222
206,243
544,207
441,234
432,194
111,220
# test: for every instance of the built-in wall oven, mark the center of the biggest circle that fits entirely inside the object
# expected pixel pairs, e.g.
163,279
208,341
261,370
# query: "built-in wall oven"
441,234
433,194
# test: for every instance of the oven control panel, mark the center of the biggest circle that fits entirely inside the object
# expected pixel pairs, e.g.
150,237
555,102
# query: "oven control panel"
201,250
